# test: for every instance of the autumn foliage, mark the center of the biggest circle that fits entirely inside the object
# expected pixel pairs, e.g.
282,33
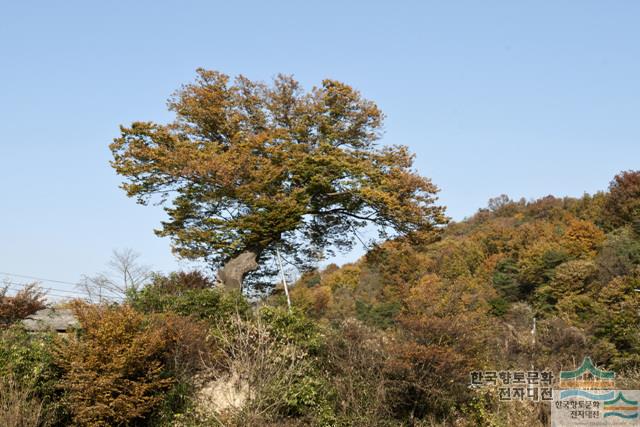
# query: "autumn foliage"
540,283
251,167
114,369
388,340
25,302
623,204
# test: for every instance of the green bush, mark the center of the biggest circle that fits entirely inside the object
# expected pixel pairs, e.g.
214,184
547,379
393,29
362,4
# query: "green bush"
380,315
188,294
27,360
499,306
308,395
293,328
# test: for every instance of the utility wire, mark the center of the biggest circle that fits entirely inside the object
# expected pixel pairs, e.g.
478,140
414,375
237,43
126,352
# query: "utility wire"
38,278
15,286
74,294
48,288
47,294
80,292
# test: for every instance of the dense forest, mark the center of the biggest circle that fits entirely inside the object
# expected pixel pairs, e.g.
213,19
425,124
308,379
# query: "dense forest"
389,340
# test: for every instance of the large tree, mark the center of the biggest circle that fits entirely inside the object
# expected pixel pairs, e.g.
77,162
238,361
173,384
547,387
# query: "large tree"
248,168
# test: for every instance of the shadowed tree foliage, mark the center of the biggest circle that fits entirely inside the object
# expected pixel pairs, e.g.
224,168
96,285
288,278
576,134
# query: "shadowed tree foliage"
249,167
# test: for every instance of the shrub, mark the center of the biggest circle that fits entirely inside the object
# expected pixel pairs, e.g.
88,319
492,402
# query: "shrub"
27,358
499,306
114,369
27,301
266,365
355,358
19,407
443,334
181,281
426,379
189,352
26,367
292,328
188,294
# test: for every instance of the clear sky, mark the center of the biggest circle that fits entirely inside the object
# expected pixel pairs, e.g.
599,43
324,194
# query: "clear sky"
526,98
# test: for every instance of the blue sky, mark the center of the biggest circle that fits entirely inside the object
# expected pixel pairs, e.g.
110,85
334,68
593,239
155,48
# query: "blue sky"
525,98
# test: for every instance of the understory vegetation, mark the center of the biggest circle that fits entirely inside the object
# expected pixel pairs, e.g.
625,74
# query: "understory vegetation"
389,340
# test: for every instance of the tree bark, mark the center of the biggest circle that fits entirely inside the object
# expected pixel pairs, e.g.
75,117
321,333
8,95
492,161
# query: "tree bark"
232,274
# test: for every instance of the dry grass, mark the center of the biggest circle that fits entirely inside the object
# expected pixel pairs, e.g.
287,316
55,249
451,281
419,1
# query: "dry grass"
261,369
18,406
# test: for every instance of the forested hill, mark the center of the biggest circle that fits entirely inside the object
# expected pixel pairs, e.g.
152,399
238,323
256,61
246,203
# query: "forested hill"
468,299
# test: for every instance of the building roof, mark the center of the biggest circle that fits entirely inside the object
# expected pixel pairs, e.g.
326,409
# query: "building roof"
51,319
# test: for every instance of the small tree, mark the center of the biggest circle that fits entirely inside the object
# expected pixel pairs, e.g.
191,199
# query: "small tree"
124,274
24,303
250,168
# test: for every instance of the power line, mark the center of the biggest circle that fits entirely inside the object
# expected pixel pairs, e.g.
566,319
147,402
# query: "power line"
107,293
15,286
48,293
77,294
49,288
38,278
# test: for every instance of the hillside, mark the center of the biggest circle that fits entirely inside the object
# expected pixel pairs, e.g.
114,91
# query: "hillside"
538,284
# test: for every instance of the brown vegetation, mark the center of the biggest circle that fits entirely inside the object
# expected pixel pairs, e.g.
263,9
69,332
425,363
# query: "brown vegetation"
26,301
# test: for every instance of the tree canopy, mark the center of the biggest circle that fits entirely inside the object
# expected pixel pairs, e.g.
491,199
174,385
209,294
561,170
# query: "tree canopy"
623,204
247,167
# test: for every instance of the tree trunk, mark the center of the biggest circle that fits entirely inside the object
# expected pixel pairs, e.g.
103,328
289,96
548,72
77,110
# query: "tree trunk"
232,274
